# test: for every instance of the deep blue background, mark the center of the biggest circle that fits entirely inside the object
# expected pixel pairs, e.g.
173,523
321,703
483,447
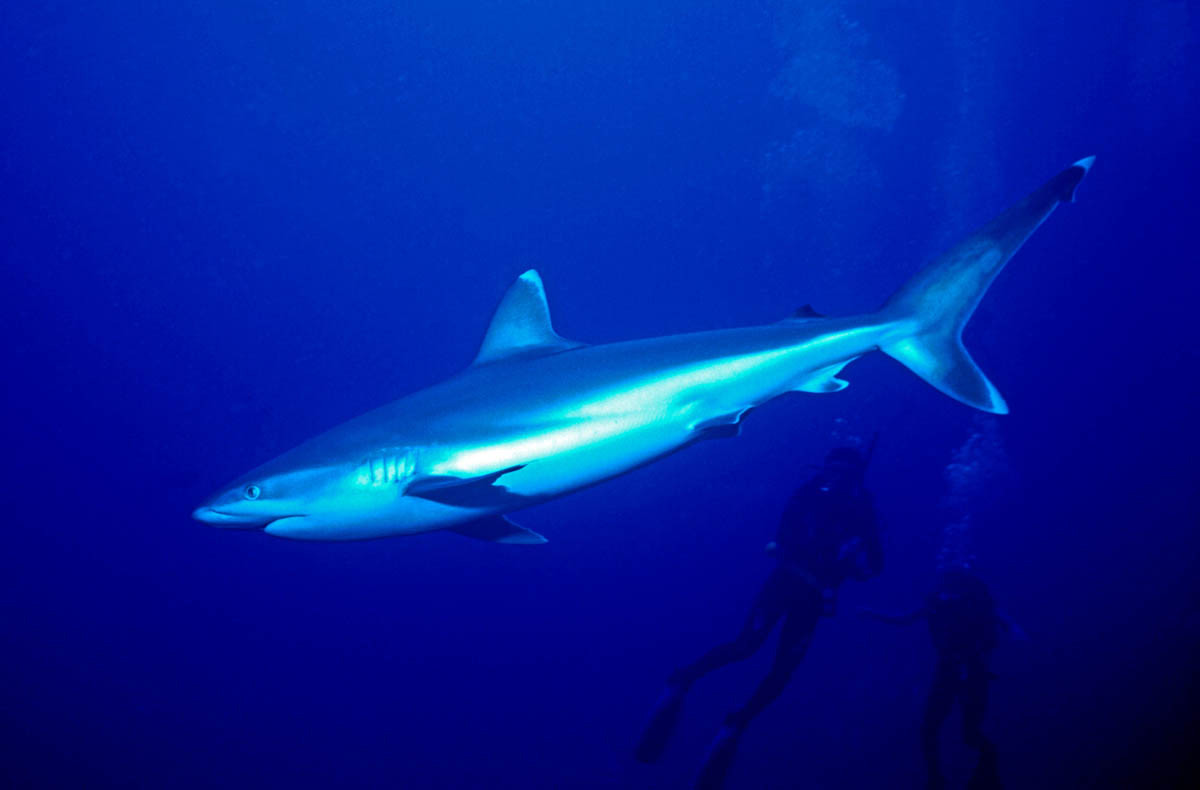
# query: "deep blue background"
231,225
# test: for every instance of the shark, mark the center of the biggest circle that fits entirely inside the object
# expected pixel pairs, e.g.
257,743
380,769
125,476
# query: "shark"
537,416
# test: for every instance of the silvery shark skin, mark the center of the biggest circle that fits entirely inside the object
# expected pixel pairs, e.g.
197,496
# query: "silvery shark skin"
537,416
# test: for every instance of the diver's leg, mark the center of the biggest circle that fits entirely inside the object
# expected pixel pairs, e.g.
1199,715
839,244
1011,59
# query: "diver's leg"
768,607
766,611
793,643
937,707
797,632
974,702
718,759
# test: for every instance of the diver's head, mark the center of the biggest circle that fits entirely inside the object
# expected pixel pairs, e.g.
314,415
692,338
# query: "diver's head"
843,468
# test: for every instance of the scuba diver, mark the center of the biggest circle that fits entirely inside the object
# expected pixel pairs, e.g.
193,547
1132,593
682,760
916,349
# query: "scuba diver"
828,533
965,627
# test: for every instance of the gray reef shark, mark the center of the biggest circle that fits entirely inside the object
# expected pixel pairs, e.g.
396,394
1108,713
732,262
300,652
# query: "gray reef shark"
537,416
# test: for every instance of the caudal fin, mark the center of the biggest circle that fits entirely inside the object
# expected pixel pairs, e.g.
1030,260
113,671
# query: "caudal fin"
931,309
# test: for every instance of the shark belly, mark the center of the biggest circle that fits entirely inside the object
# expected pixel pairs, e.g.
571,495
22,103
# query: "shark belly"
402,516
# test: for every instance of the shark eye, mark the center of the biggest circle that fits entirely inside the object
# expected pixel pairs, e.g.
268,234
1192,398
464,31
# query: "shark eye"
252,492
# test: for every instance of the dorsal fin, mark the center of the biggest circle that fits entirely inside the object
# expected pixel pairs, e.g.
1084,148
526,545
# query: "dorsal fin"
806,311
521,324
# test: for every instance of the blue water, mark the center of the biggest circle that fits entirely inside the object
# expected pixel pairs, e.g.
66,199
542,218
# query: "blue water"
229,226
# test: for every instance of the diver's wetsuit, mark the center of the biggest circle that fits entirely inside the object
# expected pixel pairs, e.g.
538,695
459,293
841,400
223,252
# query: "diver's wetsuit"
826,535
963,623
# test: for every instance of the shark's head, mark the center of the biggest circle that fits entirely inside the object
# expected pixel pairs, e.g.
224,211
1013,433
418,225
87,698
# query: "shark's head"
297,497
261,498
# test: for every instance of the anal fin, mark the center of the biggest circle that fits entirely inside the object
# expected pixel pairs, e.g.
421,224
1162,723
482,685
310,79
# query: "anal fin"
725,426
825,379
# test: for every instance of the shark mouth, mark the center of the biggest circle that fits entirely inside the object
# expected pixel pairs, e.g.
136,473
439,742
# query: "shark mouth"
238,521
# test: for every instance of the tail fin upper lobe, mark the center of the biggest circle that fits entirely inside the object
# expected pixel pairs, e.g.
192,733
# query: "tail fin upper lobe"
939,300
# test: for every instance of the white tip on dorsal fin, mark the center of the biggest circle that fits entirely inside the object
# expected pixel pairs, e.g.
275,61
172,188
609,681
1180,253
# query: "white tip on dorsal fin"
521,324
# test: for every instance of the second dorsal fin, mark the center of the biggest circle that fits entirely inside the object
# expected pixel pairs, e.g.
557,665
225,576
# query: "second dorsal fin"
521,324
805,311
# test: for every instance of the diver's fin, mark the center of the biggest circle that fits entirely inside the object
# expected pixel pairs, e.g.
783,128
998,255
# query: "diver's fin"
499,529
481,491
825,379
521,324
937,302
662,723
719,758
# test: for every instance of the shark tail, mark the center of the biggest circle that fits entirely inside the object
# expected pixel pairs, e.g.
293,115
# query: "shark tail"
931,309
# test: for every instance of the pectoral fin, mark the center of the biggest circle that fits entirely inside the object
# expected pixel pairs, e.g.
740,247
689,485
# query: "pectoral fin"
450,489
481,491
499,529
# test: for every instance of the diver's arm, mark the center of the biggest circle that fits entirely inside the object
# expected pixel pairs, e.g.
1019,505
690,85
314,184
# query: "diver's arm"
872,551
868,548
908,618
1010,629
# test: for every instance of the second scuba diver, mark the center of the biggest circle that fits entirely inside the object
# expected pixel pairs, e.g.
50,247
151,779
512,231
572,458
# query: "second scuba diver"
828,533
965,627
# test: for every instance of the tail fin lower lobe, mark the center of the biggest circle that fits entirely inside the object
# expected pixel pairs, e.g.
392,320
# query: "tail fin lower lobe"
939,300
